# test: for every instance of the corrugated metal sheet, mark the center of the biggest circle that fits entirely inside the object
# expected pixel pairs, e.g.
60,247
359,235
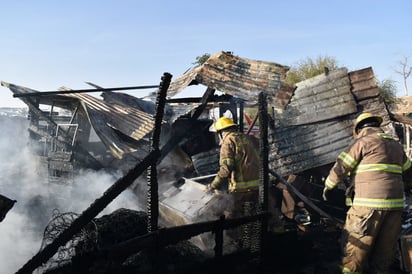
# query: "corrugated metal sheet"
118,127
113,122
240,77
303,146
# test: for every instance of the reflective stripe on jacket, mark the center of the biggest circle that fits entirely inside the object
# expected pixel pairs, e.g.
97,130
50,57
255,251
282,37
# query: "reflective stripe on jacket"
239,161
377,164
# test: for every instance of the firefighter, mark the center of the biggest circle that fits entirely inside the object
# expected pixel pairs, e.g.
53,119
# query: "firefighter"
380,172
239,166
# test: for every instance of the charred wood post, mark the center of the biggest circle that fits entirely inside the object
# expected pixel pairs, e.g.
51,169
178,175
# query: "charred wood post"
264,169
219,237
152,184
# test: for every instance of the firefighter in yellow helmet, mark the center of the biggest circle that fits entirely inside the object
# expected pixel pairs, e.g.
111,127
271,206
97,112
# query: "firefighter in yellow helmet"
380,172
239,166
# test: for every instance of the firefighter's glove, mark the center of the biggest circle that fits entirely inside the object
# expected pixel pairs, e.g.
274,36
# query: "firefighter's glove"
325,190
209,189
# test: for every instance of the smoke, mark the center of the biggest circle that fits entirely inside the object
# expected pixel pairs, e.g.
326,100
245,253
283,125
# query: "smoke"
21,232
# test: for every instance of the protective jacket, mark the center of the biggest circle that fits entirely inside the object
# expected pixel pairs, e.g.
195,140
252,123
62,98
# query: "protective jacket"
239,162
378,167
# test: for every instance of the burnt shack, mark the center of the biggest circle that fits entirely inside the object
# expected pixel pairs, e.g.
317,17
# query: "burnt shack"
302,129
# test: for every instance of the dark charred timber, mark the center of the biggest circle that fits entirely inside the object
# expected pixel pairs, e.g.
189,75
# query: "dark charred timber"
264,168
172,235
215,98
219,238
152,184
54,92
308,202
175,139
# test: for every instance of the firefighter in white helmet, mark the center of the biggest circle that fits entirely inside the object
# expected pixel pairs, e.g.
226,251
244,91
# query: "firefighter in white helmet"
380,172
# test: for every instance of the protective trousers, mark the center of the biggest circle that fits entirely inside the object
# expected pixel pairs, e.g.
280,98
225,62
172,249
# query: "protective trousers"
370,238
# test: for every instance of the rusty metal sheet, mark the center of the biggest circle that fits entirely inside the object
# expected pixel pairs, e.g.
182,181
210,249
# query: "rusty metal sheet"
130,121
118,127
240,77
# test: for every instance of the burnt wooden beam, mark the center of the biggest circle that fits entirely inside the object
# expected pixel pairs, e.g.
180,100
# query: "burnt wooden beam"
152,183
215,98
308,202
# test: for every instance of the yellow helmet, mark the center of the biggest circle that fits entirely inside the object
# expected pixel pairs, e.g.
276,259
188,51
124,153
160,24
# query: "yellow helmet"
222,123
363,117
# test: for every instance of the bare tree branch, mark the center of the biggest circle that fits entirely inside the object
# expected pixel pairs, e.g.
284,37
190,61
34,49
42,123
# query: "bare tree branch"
405,73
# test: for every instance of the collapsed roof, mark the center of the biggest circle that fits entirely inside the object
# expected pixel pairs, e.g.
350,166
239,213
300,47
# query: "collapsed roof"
118,127
314,127
240,77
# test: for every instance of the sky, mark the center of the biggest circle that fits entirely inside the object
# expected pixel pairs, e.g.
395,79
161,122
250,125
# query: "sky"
49,44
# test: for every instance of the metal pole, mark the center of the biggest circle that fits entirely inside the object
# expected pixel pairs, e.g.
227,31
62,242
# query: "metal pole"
54,92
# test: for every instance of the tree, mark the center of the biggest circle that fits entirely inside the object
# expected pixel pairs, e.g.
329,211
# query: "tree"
309,68
405,73
200,60
387,89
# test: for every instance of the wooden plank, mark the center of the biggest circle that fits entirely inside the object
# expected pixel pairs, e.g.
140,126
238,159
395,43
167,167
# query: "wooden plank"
320,98
366,94
298,148
361,75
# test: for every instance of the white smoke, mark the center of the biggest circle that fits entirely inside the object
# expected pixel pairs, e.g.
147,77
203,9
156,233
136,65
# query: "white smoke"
21,231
